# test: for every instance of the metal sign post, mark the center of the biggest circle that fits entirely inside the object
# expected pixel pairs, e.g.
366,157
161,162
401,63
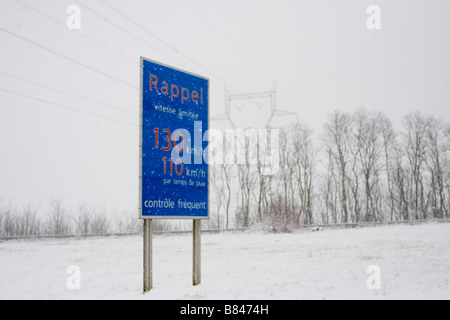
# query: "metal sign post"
174,176
197,265
148,264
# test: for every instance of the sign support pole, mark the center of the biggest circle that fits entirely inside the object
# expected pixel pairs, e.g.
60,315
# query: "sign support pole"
148,266
197,265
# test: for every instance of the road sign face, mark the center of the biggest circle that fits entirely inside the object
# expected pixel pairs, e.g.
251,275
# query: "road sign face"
174,118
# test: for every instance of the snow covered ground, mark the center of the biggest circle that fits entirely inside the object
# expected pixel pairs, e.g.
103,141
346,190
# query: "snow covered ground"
414,263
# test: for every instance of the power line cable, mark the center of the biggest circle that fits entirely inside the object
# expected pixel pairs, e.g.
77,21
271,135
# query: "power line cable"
139,26
78,32
65,107
167,44
130,34
65,92
188,4
68,58
109,48
173,48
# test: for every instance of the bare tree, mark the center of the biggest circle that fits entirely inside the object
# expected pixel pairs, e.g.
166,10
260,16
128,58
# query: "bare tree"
438,147
83,220
370,149
305,156
263,182
226,176
401,183
447,167
329,193
29,223
389,141
336,135
354,136
219,188
7,223
58,222
246,176
416,127
287,156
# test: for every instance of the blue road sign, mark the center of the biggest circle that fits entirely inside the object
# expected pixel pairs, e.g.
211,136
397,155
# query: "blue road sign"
174,118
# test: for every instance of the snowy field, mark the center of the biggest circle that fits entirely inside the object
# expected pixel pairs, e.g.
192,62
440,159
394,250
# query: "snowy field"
414,263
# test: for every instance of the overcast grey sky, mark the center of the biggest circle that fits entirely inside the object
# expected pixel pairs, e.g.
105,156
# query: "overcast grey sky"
83,148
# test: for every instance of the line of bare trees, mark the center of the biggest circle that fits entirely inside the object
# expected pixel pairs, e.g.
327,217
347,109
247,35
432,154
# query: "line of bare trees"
57,220
360,169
